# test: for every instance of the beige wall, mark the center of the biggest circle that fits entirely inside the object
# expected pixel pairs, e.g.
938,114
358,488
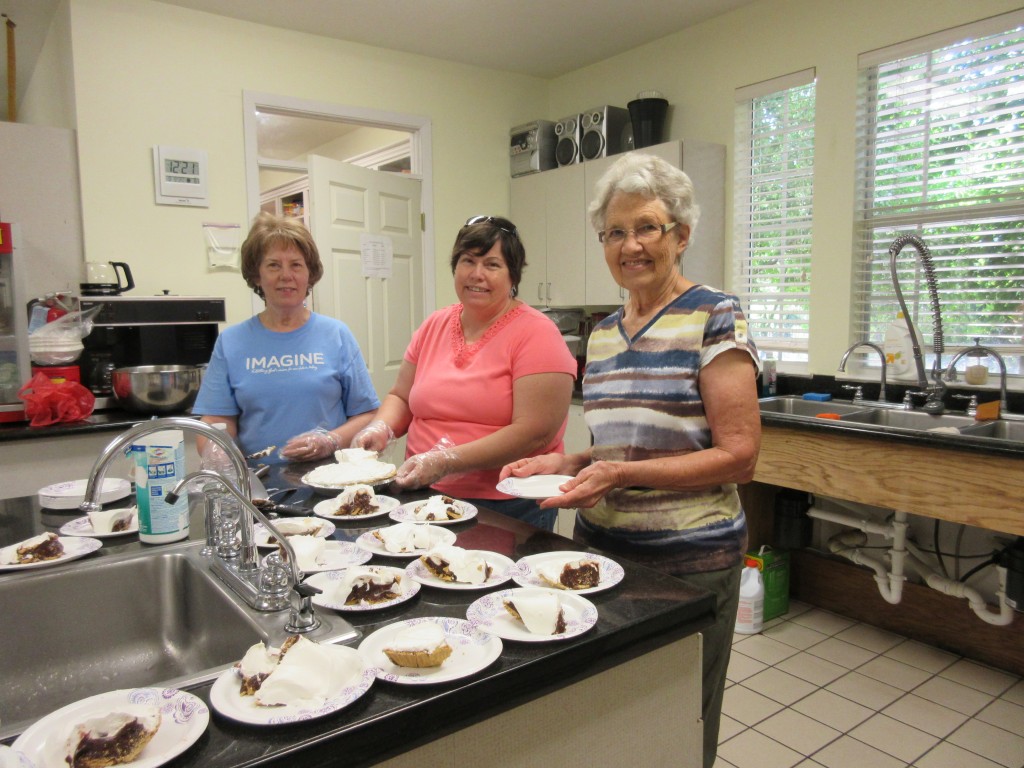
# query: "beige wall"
698,71
132,93
129,94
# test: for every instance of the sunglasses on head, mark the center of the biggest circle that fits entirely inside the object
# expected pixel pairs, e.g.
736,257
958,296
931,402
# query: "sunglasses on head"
491,220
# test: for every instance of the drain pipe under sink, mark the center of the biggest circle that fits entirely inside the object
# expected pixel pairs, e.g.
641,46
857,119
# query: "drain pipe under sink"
903,554
848,543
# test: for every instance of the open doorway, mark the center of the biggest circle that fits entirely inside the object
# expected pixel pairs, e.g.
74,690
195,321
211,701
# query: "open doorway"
281,132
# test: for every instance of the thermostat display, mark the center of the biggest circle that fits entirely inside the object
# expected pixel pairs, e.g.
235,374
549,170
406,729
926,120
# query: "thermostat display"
180,176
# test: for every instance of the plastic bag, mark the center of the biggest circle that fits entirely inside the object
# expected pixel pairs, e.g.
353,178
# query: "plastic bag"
48,403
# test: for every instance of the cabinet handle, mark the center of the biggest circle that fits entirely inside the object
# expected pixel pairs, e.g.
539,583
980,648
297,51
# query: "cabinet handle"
540,291
549,292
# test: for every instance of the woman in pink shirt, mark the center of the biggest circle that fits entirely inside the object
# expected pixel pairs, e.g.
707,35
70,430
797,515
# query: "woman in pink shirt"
483,382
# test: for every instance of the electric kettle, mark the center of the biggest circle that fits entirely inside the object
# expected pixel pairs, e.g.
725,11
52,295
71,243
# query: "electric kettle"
101,278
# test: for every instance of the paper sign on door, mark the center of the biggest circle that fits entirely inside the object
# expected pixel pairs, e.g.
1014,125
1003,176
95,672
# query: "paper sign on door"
377,252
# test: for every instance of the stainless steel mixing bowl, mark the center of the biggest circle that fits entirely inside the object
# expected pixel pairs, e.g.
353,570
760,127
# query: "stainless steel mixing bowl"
157,388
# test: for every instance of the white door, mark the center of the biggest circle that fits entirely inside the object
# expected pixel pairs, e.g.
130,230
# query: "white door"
348,201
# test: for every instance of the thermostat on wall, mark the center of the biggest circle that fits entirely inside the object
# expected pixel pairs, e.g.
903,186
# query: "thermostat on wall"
180,176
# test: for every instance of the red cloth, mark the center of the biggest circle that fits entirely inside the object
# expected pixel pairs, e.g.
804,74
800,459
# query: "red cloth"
47,402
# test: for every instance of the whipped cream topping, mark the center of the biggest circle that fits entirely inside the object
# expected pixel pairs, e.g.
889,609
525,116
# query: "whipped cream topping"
468,567
307,674
348,496
356,576
309,551
354,465
258,660
105,726
419,637
104,520
407,537
539,611
435,508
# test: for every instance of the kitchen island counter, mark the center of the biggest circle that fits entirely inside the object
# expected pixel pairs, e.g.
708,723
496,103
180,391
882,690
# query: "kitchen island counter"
537,701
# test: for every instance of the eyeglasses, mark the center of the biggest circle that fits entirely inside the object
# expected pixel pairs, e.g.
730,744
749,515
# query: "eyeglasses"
645,233
492,220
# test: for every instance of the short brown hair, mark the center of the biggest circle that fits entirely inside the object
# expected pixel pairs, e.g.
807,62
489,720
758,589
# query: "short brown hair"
268,231
479,237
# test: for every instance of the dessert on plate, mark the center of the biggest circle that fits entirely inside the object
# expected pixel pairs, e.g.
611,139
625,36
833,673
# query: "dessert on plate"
299,672
357,500
406,537
437,508
421,645
450,563
367,586
575,574
112,739
541,613
45,546
112,520
300,526
308,550
353,466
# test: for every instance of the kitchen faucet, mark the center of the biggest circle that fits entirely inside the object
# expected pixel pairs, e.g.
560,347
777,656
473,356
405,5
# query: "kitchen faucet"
268,591
980,350
937,388
249,556
263,588
881,354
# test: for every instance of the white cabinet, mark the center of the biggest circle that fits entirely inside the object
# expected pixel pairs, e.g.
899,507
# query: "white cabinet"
566,264
546,209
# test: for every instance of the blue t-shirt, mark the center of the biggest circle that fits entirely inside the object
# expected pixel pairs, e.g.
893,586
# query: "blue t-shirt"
279,385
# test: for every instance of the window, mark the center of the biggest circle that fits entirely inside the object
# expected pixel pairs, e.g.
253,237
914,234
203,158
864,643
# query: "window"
773,202
940,150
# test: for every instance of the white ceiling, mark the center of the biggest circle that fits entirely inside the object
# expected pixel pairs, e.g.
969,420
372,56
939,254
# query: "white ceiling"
543,38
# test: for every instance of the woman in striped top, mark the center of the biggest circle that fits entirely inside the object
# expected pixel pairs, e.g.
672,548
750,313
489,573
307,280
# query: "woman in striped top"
670,398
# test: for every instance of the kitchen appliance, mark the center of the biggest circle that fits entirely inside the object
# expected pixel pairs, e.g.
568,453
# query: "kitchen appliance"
153,330
606,131
104,278
647,115
569,133
532,147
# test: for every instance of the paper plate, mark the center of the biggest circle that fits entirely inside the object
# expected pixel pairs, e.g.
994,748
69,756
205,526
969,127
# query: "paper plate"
71,493
533,487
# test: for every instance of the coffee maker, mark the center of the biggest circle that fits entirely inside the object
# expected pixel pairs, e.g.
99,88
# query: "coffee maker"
152,330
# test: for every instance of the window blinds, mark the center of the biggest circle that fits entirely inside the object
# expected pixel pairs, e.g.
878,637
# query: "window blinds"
940,153
773,203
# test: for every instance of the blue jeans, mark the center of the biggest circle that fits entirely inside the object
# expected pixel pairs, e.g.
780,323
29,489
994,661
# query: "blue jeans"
526,510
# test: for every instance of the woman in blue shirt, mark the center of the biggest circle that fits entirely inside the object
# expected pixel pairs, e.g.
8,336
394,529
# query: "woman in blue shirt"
287,376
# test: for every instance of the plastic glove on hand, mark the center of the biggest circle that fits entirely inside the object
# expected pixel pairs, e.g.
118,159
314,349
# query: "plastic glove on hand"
310,446
424,469
375,436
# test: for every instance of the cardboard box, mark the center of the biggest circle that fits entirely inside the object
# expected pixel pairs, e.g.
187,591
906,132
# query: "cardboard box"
774,567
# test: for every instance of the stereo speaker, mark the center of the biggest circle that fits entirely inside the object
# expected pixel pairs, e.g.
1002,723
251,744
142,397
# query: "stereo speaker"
606,131
567,145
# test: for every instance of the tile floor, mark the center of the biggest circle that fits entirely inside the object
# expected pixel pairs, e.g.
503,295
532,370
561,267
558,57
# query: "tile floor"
818,690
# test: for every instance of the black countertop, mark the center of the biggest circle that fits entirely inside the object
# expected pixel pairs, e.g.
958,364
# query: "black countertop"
112,420
645,611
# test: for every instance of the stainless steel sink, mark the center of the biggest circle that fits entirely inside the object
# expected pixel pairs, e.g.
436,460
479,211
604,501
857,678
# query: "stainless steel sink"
917,420
155,618
1001,430
795,406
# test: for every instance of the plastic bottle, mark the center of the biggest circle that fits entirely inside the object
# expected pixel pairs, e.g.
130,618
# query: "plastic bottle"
159,466
750,613
899,349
